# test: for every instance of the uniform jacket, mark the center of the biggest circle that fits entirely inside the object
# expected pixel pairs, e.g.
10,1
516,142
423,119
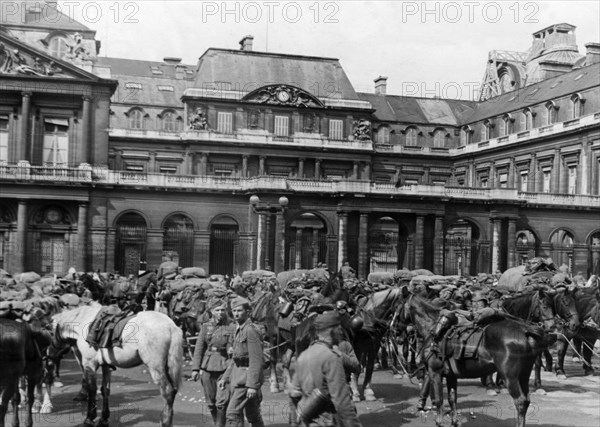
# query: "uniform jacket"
349,359
213,343
320,367
247,367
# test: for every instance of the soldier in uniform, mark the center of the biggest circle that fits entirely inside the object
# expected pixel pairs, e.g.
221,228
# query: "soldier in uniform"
245,373
215,341
320,372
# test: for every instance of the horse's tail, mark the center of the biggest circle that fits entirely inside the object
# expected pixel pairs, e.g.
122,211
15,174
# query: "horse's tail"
175,358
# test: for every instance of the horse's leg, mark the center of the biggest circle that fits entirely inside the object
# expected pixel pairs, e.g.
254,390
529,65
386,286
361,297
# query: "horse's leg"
588,345
274,354
437,400
488,382
517,372
367,390
45,390
105,389
11,391
452,386
577,345
548,359
286,361
92,388
167,391
537,382
561,351
32,382
383,361
5,397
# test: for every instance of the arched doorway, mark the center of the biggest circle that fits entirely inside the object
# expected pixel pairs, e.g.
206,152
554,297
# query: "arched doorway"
224,238
462,249
527,245
387,246
178,240
54,228
307,237
130,256
562,248
594,254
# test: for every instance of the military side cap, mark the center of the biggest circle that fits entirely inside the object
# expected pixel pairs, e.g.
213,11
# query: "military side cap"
237,301
328,319
218,303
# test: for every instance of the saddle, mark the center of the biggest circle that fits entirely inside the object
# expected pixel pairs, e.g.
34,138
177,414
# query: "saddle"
462,342
107,328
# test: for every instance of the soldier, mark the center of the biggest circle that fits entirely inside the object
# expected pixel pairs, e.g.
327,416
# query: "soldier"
214,342
245,374
320,376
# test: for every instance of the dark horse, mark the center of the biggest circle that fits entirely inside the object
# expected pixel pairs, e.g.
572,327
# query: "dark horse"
21,354
509,346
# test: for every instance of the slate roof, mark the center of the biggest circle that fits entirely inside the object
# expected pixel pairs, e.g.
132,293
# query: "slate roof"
135,71
405,109
536,93
249,70
48,18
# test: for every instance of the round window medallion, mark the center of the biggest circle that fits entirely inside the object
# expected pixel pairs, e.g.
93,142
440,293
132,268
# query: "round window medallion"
283,96
53,216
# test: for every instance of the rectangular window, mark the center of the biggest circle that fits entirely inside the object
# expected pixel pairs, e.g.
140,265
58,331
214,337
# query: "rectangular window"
282,126
463,137
572,179
524,179
484,182
224,122
171,169
134,167
56,142
547,178
3,138
336,129
503,180
411,138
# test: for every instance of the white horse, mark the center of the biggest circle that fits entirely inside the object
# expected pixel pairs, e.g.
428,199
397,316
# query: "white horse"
149,338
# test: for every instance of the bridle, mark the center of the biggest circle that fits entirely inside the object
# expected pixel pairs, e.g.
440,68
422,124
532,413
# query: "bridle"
535,311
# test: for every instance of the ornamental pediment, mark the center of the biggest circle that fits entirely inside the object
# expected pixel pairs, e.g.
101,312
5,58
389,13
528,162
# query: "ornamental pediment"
283,95
19,59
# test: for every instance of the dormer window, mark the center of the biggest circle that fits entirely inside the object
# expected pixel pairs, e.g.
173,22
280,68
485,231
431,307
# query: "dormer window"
411,137
57,46
466,135
170,122
507,124
526,119
136,118
439,138
486,130
551,112
577,102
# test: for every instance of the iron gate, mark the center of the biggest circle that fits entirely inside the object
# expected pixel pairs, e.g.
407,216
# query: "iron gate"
387,252
223,248
131,248
178,246
461,256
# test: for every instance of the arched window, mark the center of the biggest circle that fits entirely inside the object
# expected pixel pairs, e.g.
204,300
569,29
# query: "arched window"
466,135
58,47
411,137
383,135
170,122
551,112
439,138
136,118
507,124
577,102
486,130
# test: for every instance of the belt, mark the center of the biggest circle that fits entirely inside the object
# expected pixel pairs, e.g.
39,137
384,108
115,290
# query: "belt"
241,362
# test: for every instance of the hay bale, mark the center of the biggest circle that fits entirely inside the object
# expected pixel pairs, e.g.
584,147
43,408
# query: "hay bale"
257,274
167,269
513,279
193,272
404,274
319,274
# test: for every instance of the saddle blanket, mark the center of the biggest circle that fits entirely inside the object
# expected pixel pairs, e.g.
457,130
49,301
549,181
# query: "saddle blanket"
108,326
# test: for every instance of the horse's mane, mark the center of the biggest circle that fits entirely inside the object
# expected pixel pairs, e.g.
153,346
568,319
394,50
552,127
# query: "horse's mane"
518,303
430,309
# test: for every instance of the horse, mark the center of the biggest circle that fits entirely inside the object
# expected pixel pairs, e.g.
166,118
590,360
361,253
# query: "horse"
150,338
376,313
508,345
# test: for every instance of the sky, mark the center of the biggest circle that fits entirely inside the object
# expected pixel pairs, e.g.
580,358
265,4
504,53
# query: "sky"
431,48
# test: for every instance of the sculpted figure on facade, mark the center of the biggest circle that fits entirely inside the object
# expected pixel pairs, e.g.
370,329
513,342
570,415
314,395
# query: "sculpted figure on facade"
198,120
362,130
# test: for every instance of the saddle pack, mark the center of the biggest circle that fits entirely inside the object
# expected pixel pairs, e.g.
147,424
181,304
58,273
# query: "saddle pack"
108,326
462,342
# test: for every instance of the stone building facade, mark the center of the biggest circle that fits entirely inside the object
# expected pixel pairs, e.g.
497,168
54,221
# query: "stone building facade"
118,165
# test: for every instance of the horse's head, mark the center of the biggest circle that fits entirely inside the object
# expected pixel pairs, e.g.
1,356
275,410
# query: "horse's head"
542,309
566,309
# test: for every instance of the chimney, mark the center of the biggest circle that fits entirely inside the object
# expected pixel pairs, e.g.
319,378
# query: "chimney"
246,43
169,60
592,53
380,85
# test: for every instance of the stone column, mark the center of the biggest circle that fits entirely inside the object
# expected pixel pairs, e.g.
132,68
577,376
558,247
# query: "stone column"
21,148
203,164
245,166
86,141
342,238
190,156
492,175
267,242
301,167
495,244
363,245
82,232
471,179
555,188
512,239
438,245
21,238
355,170
261,165
511,173
317,168
419,235
279,261
152,166
260,243
532,174
583,170
367,172
315,239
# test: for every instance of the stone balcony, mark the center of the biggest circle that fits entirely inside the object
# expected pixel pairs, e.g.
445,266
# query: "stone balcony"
23,173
